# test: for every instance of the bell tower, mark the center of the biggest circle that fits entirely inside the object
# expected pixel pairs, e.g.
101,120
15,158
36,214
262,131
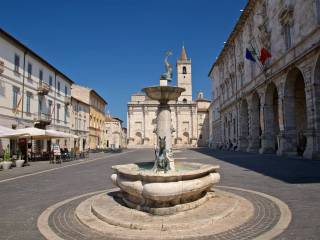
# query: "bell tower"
184,77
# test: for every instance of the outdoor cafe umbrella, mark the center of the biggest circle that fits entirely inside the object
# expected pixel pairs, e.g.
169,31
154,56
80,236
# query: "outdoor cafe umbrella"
41,134
33,133
58,134
9,133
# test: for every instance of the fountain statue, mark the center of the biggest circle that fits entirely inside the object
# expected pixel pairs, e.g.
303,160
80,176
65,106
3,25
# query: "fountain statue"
168,73
164,187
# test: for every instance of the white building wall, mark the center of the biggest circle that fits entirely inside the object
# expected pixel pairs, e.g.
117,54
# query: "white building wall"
27,85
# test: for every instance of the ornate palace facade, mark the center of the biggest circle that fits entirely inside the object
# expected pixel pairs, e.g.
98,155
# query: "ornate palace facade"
189,118
274,107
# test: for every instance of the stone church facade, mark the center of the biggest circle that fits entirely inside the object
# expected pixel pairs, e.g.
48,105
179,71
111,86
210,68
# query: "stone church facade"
189,117
275,107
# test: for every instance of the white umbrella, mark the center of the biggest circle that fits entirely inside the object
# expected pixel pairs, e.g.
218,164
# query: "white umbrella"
33,132
9,133
58,134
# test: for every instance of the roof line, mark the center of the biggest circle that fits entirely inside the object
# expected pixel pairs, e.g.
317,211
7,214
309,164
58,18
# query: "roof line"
31,52
95,92
240,23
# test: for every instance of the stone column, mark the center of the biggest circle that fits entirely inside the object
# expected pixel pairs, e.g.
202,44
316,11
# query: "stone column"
254,126
267,138
287,136
287,139
143,126
310,133
263,123
243,137
164,124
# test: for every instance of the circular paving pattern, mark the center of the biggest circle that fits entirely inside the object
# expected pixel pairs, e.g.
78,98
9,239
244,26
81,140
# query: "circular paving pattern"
268,217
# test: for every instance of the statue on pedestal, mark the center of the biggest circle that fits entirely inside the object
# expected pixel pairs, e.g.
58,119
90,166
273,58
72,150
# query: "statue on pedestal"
168,74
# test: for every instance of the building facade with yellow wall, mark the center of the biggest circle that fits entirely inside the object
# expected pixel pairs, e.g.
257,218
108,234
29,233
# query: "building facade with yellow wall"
96,113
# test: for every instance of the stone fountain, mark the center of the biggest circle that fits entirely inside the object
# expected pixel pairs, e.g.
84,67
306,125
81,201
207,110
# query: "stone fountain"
163,187
166,199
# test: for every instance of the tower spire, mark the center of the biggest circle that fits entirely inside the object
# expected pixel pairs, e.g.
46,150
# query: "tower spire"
183,56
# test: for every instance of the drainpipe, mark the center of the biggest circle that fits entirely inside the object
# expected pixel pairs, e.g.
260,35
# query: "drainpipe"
23,76
54,100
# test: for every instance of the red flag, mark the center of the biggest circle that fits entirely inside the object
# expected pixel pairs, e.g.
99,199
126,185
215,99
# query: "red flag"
264,55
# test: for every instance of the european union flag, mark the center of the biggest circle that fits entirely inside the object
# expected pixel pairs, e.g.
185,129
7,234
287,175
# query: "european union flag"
249,56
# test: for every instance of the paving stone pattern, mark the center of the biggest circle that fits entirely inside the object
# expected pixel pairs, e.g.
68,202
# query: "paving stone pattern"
266,215
295,181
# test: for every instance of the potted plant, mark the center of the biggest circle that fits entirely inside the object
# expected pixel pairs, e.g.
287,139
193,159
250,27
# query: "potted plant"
6,164
20,161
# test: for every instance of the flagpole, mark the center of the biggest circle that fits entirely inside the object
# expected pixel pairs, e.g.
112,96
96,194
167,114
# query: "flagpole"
258,62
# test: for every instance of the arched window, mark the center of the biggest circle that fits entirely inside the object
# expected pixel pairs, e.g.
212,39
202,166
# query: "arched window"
184,70
184,100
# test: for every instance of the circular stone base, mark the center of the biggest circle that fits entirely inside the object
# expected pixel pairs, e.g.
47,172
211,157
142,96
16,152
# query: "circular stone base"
164,210
219,213
230,214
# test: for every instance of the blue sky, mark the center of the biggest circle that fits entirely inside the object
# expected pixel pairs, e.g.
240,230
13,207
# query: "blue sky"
117,46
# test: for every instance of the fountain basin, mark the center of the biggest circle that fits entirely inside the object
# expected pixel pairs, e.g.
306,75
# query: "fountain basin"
165,193
163,93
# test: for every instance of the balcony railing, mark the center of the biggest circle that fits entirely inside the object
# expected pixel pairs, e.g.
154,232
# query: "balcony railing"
43,88
43,118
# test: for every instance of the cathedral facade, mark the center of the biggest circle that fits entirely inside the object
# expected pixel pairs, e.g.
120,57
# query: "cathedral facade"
189,118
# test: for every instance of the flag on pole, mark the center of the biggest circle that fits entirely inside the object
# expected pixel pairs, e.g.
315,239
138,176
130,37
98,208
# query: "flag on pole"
249,55
264,55
52,112
16,110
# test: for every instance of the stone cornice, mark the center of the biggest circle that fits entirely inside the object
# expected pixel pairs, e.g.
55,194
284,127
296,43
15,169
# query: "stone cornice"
237,28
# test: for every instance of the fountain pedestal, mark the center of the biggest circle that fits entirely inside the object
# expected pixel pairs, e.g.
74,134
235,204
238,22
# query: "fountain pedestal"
163,187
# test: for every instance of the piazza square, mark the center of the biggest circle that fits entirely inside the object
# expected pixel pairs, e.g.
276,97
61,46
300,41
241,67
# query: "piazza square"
155,120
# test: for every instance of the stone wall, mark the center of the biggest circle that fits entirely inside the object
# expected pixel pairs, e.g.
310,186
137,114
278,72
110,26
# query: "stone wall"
275,106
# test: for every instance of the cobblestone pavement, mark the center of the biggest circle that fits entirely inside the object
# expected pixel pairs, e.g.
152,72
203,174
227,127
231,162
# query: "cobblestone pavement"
266,215
294,181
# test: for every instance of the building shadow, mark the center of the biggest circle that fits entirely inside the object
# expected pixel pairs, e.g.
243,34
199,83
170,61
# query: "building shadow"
292,170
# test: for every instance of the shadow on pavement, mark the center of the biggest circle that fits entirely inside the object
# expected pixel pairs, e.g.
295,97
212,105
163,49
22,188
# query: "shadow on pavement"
290,170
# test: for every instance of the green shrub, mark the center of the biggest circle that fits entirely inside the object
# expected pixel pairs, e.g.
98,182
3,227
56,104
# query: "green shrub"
6,156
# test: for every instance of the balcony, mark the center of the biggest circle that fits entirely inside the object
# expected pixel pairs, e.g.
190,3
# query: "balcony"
67,100
43,88
42,118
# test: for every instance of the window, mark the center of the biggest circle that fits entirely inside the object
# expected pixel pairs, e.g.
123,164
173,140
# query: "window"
65,113
58,111
40,75
16,63
58,86
66,90
241,79
15,92
49,107
29,70
28,102
184,100
40,105
50,81
288,36
76,123
184,70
